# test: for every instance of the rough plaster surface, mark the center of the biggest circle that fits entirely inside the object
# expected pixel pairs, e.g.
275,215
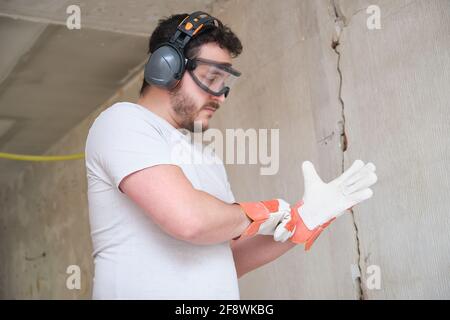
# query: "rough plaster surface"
387,90
290,82
396,92
44,225
50,84
136,17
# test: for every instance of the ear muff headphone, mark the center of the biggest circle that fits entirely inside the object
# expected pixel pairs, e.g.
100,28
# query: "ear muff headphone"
167,64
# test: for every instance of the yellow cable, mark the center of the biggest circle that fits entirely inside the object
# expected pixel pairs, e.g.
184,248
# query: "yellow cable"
24,157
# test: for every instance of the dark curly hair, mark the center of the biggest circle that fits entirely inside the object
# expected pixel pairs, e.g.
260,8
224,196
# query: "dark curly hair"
221,34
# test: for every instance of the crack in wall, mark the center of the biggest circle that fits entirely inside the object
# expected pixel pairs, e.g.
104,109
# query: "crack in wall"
340,23
42,255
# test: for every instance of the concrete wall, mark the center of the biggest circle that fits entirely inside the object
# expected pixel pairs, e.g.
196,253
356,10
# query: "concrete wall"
135,17
44,226
48,85
385,91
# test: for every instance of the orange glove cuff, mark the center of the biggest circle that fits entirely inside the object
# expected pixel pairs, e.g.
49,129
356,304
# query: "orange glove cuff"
302,233
258,212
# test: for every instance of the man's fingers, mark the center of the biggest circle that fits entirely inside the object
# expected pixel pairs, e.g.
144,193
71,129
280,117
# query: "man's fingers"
310,175
356,166
281,233
361,174
360,196
284,236
370,166
363,183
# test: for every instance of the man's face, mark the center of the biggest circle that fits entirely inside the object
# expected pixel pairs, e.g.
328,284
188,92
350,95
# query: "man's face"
192,104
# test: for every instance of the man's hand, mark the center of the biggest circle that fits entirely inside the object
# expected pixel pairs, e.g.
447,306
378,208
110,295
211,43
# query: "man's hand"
324,202
265,216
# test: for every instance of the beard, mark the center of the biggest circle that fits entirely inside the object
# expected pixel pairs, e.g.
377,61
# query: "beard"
186,110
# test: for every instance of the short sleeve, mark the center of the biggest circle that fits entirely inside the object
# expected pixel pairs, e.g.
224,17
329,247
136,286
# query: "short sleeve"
230,193
123,143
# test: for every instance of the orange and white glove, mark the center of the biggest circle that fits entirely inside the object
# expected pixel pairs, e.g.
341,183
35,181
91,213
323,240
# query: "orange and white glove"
265,216
323,202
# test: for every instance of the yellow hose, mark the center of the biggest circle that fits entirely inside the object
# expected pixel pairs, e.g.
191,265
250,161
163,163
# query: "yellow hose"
24,157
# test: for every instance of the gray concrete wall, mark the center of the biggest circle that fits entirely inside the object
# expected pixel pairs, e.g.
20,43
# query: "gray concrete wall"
386,91
135,17
396,89
48,85
44,226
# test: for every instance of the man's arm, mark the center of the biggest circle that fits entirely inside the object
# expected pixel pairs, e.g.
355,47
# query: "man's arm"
169,198
252,253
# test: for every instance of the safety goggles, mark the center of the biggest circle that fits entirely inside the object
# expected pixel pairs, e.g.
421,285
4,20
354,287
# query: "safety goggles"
213,77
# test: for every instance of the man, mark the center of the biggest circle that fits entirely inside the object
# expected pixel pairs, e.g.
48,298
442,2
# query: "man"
166,229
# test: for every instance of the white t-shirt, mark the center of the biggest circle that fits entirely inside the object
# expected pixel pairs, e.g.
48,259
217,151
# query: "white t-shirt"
134,258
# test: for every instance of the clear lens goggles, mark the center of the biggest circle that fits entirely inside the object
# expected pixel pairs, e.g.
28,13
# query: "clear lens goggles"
213,77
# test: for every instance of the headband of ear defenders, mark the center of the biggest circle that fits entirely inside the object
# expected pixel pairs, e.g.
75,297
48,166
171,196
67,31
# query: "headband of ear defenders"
190,26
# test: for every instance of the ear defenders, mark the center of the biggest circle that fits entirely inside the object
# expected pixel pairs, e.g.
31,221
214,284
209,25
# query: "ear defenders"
167,64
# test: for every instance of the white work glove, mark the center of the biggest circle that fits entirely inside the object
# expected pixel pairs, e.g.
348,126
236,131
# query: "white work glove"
323,202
